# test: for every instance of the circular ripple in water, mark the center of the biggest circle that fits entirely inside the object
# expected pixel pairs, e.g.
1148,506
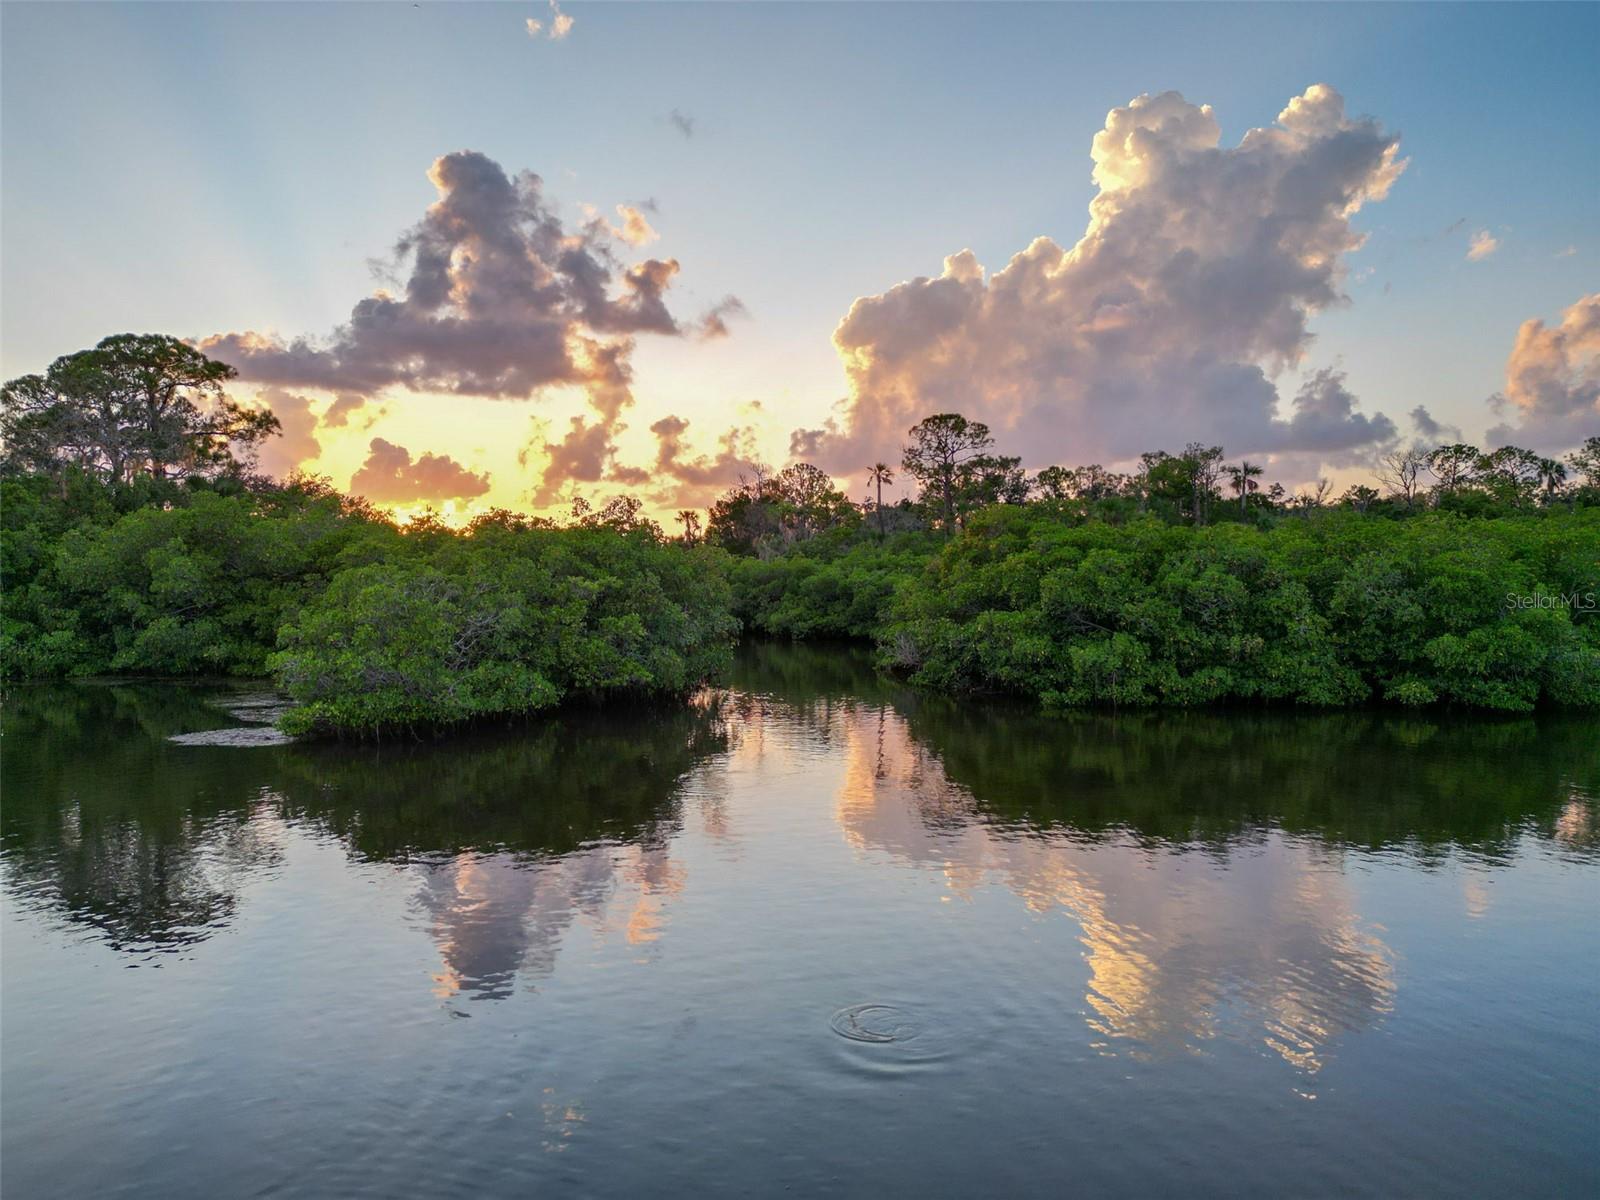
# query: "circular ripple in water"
873,1023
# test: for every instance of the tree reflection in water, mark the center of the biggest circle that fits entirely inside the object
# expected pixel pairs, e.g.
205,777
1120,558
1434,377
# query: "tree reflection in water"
513,833
1202,856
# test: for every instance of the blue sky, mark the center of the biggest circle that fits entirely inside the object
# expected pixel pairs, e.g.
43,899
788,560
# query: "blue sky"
199,168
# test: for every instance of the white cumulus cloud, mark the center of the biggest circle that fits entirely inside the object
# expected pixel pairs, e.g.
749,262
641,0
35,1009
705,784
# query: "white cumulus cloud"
560,24
1192,284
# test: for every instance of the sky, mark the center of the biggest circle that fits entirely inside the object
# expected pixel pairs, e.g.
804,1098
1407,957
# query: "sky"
767,231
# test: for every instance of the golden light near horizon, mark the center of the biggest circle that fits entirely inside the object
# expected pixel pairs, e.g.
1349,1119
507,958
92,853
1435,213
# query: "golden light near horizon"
531,341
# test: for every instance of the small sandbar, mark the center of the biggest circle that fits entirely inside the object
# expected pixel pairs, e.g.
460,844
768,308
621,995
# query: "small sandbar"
249,735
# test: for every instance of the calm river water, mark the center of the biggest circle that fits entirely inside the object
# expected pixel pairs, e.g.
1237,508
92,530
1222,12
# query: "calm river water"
812,933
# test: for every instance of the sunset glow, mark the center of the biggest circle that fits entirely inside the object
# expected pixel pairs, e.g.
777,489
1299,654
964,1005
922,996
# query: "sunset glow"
670,285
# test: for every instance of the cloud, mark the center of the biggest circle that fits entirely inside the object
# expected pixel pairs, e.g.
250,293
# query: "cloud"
1325,420
390,476
1196,276
1553,381
588,453
697,479
560,24
1482,246
500,298
585,455
713,322
1431,432
1566,252
337,415
635,230
297,442
682,122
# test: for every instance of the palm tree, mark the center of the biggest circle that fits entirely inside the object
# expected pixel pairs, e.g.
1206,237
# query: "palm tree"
880,475
1552,474
691,526
1244,480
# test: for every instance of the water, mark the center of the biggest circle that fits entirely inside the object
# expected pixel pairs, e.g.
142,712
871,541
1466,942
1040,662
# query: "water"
812,933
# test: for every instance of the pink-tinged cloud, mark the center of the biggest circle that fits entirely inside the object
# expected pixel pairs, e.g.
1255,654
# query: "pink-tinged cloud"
391,476
692,480
502,300
296,442
1194,280
635,229
344,406
1552,392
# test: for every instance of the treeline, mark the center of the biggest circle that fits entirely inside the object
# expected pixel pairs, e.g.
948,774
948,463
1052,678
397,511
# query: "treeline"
365,624
956,474
134,538
1473,578
1492,613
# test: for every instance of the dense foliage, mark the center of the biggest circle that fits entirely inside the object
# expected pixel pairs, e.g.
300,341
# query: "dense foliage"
1493,613
136,539
510,618
826,591
365,625
198,582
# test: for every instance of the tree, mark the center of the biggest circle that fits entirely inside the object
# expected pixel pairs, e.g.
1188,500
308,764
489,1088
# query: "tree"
1510,474
1453,466
691,526
805,488
1359,497
1400,470
1152,471
135,404
1586,461
880,475
990,479
1186,481
808,503
622,514
760,514
1244,481
1093,482
1552,474
1316,497
745,516
1054,483
1205,468
940,446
